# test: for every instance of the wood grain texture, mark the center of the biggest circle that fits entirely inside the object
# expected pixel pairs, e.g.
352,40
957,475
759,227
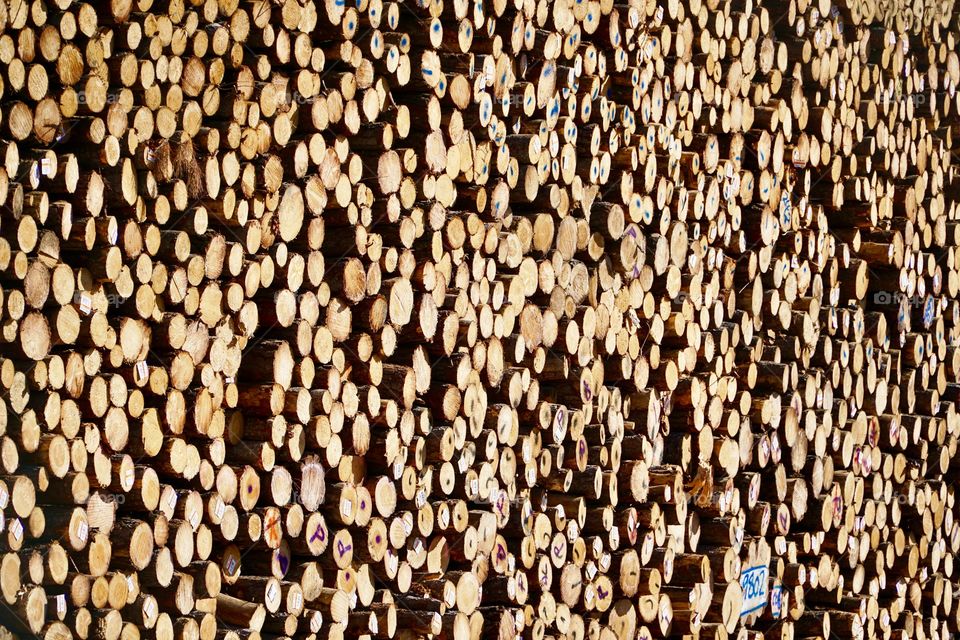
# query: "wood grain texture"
553,320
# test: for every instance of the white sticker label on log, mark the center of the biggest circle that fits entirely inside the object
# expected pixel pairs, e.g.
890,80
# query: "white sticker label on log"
86,304
296,600
149,606
776,601
347,508
781,545
82,531
666,613
220,508
4,496
753,581
142,370
558,424
271,591
17,530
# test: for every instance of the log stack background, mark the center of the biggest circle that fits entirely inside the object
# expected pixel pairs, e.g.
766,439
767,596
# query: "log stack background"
577,319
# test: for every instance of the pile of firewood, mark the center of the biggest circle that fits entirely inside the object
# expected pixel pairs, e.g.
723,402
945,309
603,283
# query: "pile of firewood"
566,319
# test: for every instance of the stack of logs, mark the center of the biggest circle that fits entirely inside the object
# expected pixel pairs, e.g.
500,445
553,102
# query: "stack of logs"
582,319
